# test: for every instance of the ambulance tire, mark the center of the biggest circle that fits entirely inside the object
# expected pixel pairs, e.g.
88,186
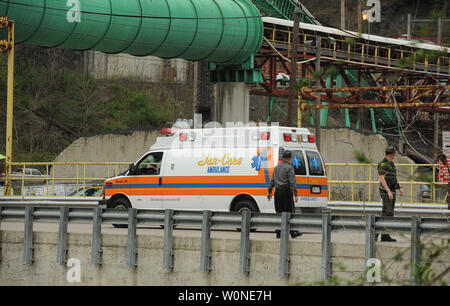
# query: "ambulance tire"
246,205
121,203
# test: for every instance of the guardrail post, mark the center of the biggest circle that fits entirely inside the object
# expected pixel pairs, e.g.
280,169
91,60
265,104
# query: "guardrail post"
326,268
132,239
96,258
168,240
416,250
205,256
61,257
370,237
1,233
284,245
28,249
244,258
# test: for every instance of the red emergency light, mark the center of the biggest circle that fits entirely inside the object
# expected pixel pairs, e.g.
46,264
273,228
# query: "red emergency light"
168,131
311,138
183,137
287,136
265,135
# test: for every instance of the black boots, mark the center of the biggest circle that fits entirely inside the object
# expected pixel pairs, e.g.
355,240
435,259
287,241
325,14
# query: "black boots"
385,238
294,234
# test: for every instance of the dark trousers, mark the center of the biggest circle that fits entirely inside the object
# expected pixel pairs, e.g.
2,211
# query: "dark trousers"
283,200
284,203
388,206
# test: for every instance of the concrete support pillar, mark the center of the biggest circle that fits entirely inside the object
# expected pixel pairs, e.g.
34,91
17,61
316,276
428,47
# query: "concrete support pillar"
233,102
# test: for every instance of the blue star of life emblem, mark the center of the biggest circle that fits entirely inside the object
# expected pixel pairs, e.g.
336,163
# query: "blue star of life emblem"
296,162
259,161
315,163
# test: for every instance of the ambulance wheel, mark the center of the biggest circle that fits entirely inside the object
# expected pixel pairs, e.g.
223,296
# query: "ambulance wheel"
121,203
246,206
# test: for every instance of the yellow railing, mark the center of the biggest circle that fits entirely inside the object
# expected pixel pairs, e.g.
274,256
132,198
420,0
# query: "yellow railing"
350,50
360,182
81,175
346,181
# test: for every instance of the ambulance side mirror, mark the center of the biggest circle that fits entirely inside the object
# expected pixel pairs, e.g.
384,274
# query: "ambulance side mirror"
131,169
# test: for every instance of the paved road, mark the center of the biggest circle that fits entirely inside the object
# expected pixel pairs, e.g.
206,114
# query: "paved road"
336,237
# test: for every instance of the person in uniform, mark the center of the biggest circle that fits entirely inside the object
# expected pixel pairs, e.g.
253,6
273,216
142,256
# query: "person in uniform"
388,187
283,179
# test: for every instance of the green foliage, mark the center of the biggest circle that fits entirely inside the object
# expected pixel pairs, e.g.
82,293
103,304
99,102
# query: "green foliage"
305,82
424,177
349,40
54,104
316,75
406,62
135,110
332,71
361,157
424,273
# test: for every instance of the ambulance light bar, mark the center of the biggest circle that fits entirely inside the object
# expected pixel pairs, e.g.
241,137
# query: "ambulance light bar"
265,135
168,131
185,136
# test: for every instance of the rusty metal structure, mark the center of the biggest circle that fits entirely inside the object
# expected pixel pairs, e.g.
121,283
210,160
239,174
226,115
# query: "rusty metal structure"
359,71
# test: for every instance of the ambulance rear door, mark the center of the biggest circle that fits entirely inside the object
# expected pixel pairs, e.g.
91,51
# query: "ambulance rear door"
318,188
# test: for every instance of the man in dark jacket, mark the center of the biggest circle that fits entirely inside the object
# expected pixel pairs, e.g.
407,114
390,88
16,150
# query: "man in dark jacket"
388,187
283,179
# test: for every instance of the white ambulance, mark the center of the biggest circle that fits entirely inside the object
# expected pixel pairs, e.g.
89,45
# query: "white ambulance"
226,169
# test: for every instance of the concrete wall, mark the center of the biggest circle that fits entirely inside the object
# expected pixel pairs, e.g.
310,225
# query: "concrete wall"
150,68
348,261
104,148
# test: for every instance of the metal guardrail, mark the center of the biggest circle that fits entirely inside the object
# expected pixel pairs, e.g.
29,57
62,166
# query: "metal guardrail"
208,220
335,207
50,201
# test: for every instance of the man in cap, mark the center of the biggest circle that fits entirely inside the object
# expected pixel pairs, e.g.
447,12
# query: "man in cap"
283,179
388,187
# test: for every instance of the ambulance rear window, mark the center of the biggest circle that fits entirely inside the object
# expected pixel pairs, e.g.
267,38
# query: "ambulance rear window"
314,163
298,161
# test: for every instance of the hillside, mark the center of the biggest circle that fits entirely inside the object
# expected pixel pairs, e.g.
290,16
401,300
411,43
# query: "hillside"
55,103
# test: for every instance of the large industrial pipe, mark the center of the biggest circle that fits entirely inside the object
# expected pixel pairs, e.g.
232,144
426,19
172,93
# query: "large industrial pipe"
218,31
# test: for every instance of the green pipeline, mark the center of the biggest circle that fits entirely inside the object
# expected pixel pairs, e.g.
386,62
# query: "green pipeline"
217,31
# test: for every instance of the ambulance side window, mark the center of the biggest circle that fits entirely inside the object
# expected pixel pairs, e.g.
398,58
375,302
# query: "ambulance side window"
150,165
314,163
298,161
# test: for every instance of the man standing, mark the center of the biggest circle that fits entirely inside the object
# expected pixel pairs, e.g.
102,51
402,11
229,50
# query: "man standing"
283,179
388,187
